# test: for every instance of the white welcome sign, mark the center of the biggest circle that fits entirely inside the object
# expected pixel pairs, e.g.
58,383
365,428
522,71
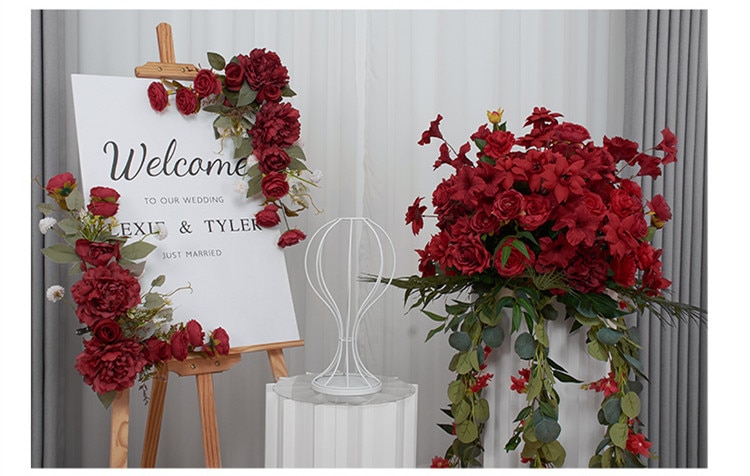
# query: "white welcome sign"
171,172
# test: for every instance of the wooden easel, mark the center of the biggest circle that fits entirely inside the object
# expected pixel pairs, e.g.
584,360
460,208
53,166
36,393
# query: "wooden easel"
202,368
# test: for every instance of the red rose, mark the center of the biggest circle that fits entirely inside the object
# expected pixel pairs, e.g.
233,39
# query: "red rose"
157,96
180,343
661,211
103,201
107,330
158,350
571,133
276,124
468,256
623,203
60,186
187,101
97,253
105,292
234,76
508,205
516,263
206,83
536,212
269,93
195,333
274,185
110,367
219,342
268,217
483,222
272,159
498,144
291,238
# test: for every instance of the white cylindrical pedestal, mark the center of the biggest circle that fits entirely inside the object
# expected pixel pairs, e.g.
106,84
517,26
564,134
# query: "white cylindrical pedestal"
307,429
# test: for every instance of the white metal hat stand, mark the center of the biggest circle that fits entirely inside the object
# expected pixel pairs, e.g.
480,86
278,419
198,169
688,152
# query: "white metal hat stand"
347,375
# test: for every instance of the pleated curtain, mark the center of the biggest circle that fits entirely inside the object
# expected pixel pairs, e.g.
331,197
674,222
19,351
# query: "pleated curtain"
368,82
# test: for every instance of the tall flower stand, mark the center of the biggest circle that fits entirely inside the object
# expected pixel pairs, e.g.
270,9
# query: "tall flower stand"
309,429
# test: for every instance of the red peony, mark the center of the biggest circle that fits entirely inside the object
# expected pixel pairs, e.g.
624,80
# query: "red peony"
276,124
274,185
96,253
103,201
180,343
268,217
290,238
264,73
218,342
194,332
158,97
110,367
187,101
157,350
105,292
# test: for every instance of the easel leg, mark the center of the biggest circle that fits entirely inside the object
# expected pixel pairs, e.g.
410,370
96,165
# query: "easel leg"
154,419
209,424
278,364
118,438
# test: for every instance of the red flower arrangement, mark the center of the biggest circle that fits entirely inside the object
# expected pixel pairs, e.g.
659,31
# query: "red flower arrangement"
534,224
265,131
130,332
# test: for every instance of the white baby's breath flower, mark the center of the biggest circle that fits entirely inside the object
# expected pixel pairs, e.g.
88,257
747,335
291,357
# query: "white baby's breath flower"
161,232
240,186
55,293
316,176
46,224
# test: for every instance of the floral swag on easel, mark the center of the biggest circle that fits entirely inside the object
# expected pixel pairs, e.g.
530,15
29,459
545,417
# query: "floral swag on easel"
265,131
541,223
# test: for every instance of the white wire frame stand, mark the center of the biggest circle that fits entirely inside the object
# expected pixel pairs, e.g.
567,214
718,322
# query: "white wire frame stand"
346,375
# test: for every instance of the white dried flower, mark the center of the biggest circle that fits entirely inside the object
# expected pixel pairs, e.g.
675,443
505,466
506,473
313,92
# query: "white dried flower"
316,176
46,224
240,186
161,232
55,293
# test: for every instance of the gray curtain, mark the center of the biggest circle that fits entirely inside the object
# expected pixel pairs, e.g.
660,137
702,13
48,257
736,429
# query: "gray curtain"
55,388
666,66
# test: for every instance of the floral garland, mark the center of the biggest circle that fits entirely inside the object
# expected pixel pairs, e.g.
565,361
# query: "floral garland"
265,131
536,225
129,332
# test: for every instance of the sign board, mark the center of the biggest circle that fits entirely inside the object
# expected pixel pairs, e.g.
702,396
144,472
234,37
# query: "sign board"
171,172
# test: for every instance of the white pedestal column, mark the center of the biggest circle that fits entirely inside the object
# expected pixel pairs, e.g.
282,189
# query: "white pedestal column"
307,429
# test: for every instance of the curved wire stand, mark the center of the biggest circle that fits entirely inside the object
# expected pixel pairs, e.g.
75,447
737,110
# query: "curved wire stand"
346,375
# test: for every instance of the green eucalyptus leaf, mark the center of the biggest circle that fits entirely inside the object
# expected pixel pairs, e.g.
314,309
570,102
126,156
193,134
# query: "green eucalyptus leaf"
482,410
541,333
631,404
549,312
535,386
635,386
245,149
473,359
612,410
493,336
456,391
46,208
295,152
107,398
254,185
296,164
587,321
595,461
460,341
608,336
596,351
461,411
69,226
158,281
602,444
467,431
547,429
61,253
525,346
554,453
74,201
618,433
153,301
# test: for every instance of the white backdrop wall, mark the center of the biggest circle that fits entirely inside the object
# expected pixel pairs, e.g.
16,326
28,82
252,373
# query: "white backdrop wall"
368,84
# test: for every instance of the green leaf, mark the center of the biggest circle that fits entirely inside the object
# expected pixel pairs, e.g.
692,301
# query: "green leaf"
512,443
549,312
296,164
254,186
516,318
74,201
546,430
631,404
535,386
446,428
137,250
433,316
473,358
136,269
602,444
467,431
554,453
525,412
618,433
158,281
587,321
482,410
612,410
153,301
595,461
69,226
246,95
61,253
596,351
541,334
456,391
608,336
460,341
295,152
636,364
434,331
488,317
245,149
635,386
563,377
461,410
46,208
525,346
493,336
107,398
216,61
